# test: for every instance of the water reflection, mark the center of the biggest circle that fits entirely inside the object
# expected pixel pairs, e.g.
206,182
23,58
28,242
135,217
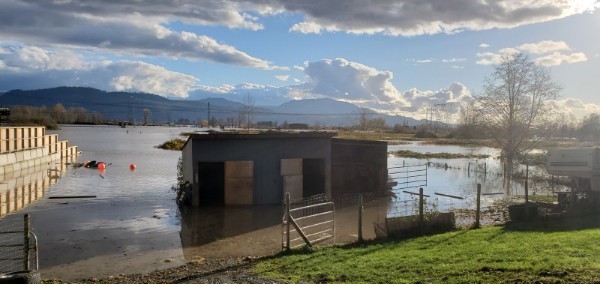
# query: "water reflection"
20,188
203,225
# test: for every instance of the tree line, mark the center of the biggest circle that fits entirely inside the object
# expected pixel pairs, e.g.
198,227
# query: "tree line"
51,117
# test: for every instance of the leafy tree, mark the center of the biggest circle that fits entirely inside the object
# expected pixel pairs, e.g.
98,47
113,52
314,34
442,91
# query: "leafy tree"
514,106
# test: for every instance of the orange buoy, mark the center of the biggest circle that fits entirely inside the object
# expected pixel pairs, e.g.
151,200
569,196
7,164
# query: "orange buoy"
132,167
101,166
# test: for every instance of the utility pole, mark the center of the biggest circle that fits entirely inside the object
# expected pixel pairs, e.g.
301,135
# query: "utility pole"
208,115
131,110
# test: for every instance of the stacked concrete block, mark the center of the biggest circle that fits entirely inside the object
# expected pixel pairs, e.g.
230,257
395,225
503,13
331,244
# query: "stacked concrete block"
30,161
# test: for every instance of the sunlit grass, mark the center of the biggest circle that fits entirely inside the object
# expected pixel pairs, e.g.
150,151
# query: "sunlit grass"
173,144
489,255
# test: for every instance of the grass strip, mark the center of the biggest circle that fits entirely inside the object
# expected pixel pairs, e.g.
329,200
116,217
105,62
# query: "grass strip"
442,155
488,255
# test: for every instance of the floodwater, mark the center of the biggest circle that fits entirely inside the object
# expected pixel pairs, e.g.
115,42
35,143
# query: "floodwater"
132,224
133,212
457,177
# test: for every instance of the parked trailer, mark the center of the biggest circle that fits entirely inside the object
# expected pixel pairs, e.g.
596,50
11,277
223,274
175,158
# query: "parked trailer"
581,164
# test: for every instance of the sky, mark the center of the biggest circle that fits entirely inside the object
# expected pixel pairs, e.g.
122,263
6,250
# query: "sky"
395,57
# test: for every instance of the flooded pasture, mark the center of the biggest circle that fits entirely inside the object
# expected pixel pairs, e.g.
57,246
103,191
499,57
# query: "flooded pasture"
459,177
133,225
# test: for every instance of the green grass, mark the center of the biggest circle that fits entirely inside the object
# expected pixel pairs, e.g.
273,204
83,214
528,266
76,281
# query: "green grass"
371,135
488,255
441,155
173,144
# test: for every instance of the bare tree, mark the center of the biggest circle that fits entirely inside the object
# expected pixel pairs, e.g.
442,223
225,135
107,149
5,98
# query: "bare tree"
146,116
514,106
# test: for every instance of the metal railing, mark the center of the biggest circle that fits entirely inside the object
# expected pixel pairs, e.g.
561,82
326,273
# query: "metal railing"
18,246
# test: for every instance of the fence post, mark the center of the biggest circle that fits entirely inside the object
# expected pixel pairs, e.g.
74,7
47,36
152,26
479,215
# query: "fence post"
26,242
477,214
360,217
526,184
421,205
287,221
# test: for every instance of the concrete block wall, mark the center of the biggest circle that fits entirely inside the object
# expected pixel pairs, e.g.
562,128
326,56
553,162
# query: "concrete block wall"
30,161
24,147
19,138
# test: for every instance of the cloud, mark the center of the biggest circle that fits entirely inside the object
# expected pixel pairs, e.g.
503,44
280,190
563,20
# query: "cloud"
368,87
352,82
282,77
422,60
557,58
484,45
450,99
126,27
31,67
453,60
410,18
261,94
306,28
574,107
545,46
546,53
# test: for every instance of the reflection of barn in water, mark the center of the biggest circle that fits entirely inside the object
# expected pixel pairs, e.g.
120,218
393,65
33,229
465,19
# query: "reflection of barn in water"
246,169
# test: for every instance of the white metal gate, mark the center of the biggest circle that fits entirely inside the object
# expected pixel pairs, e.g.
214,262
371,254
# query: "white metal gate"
307,221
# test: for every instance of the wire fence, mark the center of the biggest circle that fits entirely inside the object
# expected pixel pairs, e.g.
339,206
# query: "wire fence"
18,245
458,206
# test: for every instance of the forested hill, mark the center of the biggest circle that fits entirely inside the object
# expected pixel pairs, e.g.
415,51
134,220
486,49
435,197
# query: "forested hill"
120,105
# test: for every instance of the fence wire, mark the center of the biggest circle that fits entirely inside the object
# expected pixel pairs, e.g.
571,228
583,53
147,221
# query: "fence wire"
12,245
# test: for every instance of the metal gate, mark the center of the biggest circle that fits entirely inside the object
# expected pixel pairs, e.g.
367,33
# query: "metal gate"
307,222
408,176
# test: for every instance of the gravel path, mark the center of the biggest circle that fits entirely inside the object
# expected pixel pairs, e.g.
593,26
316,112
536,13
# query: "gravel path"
230,270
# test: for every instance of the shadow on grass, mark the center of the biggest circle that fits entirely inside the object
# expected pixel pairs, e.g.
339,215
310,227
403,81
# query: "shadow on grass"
558,223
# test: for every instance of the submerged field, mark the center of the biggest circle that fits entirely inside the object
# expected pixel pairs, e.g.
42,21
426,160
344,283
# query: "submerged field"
549,254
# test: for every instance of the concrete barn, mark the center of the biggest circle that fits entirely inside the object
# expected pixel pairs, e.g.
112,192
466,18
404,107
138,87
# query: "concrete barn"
258,169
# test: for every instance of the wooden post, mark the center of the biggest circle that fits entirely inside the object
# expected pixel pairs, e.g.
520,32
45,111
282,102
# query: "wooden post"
477,214
360,213
26,242
299,230
288,221
527,184
421,205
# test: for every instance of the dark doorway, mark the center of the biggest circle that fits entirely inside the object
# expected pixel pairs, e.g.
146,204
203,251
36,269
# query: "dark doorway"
211,181
313,171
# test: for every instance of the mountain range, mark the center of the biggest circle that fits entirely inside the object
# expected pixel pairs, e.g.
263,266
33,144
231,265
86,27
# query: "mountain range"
122,105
